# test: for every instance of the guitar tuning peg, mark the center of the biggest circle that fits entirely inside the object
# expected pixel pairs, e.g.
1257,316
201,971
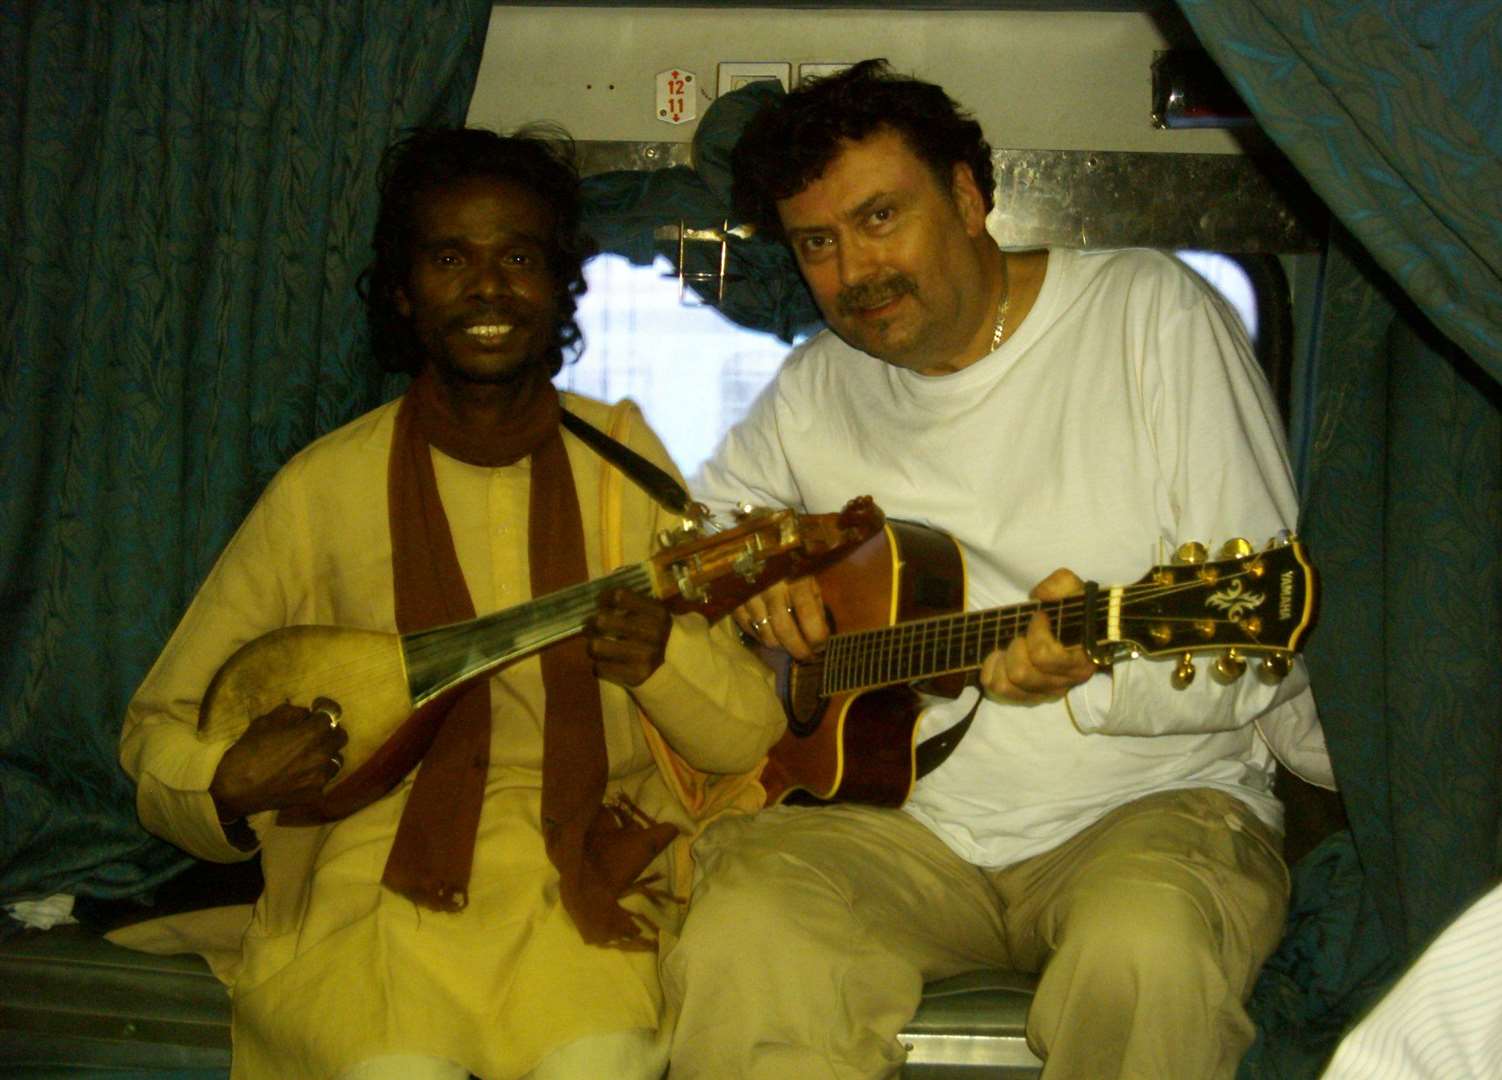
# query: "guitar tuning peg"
667,538
1275,668
1183,675
1191,553
1228,668
1236,548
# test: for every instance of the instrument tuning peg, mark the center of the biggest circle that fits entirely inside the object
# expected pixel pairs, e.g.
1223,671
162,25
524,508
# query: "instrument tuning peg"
1236,548
1228,668
1190,554
1275,668
686,530
1183,675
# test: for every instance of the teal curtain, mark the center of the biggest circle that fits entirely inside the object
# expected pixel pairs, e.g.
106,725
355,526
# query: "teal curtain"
1393,113
186,201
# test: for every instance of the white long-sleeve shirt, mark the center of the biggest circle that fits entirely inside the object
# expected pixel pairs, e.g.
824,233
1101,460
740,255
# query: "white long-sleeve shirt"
1124,416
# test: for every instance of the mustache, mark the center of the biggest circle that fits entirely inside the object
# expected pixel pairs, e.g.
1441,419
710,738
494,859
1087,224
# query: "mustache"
515,316
870,294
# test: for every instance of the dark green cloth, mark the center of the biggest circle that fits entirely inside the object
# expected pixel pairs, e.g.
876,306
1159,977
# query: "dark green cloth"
188,195
1393,113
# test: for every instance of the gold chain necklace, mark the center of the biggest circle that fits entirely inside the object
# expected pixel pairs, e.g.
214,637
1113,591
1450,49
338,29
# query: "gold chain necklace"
1001,306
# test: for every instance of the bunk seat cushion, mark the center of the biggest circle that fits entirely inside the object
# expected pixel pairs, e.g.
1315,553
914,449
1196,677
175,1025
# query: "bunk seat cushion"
972,1026
73,1004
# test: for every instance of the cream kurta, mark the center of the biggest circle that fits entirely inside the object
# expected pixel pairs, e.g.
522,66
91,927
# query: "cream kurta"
336,968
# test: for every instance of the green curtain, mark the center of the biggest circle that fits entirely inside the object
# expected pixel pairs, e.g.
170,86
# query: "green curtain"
187,198
1393,113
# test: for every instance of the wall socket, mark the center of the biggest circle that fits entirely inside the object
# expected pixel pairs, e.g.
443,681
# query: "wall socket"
734,74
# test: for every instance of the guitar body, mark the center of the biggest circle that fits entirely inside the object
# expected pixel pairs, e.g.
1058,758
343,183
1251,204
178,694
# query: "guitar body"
362,670
859,747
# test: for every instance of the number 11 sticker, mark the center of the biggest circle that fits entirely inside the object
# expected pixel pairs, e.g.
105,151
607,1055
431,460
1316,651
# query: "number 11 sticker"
677,96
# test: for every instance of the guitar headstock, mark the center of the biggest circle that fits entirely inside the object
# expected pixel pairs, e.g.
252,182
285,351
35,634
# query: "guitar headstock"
712,574
1243,603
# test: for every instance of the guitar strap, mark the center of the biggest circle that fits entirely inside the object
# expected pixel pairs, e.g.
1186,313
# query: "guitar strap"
654,481
935,750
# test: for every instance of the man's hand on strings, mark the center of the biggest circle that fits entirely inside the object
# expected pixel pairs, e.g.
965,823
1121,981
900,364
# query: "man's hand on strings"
627,637
789,615
1035,666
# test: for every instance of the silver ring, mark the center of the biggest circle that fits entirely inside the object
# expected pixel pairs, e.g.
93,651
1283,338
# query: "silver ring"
757,624
337,761
333,721
327,709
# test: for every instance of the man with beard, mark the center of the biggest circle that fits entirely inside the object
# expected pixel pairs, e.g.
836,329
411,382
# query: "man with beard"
1046,409
494,913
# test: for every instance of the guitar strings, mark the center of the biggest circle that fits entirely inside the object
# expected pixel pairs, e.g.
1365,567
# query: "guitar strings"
545,617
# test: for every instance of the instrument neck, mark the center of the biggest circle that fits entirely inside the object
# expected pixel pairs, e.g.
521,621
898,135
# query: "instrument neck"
444,656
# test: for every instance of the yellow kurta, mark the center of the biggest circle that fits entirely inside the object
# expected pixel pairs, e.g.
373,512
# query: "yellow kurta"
335,968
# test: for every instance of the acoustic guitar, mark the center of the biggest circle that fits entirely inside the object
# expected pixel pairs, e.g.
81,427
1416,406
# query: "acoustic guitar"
390,690
894,604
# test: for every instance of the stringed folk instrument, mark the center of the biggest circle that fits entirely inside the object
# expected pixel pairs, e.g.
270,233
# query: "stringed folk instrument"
390,691
895,605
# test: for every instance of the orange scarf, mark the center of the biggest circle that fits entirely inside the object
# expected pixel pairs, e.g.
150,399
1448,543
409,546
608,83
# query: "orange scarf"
599,850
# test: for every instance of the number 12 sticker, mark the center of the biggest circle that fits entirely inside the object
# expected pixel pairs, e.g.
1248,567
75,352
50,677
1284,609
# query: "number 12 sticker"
677,96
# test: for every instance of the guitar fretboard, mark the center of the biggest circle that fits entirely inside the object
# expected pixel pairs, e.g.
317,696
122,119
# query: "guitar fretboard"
1195,613
942,645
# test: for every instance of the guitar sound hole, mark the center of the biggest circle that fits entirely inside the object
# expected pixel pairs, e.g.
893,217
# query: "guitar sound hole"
937,593
805,705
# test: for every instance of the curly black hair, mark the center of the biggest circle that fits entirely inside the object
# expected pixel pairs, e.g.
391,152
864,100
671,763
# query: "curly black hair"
538,157
791,141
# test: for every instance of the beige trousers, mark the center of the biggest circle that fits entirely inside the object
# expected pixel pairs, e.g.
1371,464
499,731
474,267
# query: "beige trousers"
812,932
618,1055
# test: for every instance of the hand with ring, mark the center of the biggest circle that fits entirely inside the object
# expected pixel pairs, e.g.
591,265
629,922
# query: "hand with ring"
284,758
789,615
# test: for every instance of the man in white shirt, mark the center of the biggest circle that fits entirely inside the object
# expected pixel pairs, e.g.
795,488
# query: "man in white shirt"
1096,824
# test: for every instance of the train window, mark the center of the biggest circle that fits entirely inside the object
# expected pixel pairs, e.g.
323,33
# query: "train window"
695,373
1230,280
